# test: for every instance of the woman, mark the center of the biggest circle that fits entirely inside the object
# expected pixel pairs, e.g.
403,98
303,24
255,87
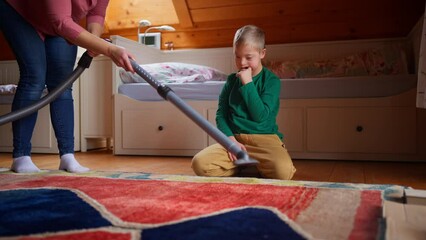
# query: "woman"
44,36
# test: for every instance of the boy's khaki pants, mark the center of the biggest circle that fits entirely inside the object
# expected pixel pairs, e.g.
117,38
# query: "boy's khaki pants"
268,149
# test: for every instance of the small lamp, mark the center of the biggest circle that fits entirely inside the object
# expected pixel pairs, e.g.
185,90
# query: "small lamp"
160,28
143,23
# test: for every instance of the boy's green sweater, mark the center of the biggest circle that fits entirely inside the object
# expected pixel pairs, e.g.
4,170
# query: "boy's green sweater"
252,108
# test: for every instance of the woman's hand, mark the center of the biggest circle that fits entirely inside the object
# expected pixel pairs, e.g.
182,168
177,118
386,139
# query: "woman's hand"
121,57
96,45
231,156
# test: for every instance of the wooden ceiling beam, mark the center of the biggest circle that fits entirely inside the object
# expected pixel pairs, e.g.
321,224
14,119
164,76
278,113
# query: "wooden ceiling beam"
183,14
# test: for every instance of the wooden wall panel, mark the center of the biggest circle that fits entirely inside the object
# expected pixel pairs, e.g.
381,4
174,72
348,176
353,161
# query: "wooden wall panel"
285,9
127,14
199,4
206,23
182,11
209,38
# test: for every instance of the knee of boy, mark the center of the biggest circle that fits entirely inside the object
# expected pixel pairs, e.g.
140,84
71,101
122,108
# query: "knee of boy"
197,167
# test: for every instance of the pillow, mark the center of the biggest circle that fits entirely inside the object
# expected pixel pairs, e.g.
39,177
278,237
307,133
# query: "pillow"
351,65
378,61
386,60
174,72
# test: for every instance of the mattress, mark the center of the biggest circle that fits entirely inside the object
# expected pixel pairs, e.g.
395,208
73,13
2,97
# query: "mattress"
208,90
306,88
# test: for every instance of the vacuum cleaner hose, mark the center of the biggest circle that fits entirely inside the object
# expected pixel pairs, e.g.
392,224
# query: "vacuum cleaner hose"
83,63
222,139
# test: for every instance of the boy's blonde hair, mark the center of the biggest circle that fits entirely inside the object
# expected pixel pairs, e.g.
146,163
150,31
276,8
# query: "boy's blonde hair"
251,35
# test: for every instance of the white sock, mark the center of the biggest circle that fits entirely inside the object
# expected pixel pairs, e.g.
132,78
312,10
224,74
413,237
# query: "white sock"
70,164
24,164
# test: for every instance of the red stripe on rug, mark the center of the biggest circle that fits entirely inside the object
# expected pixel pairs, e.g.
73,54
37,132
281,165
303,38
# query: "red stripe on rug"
161,201
369,209
300,201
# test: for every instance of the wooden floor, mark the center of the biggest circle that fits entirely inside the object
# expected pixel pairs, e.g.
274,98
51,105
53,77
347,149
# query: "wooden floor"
406,174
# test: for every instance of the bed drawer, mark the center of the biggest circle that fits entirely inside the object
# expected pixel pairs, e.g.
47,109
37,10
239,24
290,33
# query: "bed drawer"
361,130
290,123
160,129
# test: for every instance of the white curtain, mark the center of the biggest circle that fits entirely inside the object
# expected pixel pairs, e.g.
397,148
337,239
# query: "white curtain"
421,82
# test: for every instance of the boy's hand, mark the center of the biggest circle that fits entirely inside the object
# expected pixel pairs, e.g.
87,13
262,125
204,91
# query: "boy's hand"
231,156
245,75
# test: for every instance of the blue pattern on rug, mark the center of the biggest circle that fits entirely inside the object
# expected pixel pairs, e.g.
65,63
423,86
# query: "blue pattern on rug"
46,210
248,223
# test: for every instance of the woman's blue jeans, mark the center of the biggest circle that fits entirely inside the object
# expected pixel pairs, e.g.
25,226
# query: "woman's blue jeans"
42,64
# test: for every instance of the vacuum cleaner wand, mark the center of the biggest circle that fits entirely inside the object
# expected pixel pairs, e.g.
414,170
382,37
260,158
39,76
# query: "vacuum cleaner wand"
83,63
168,94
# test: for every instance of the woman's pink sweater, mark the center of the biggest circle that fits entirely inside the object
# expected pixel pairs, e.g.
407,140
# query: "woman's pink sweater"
60,17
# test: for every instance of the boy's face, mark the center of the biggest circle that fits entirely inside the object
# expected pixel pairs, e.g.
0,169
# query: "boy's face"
247,56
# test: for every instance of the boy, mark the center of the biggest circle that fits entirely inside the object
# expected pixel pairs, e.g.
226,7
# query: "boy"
247,110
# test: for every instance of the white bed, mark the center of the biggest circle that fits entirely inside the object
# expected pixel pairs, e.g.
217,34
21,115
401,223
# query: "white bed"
351,87
145,124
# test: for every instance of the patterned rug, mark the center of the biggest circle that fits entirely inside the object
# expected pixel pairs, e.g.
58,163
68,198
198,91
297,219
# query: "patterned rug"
116,205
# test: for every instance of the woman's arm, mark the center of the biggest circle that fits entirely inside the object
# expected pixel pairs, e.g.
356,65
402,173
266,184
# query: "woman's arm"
118,54
59,15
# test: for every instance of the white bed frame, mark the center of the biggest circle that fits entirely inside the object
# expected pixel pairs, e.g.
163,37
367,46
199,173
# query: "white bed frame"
380,128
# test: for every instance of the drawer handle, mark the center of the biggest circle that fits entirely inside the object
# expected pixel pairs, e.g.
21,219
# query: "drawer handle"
359,128
160,128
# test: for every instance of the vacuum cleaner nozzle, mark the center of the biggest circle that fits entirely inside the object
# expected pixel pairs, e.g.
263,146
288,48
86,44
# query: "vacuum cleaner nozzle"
245,162
244,159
